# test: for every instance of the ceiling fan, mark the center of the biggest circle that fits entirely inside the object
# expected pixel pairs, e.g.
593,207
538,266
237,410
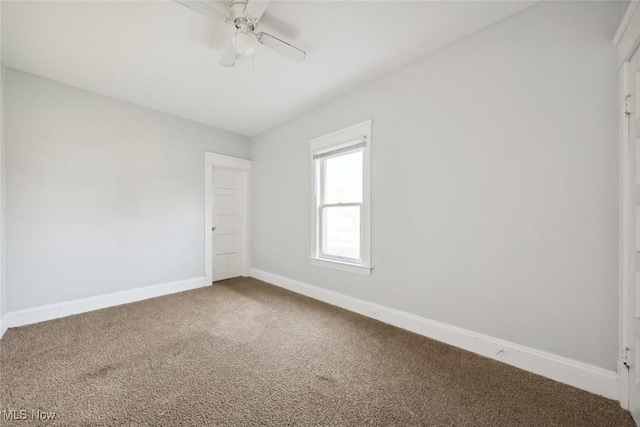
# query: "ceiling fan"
244,15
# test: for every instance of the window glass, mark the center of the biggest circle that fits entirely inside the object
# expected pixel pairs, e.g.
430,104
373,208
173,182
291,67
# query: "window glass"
341,231
343,178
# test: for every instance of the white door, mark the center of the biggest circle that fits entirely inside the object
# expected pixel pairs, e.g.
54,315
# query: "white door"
227,223
632,214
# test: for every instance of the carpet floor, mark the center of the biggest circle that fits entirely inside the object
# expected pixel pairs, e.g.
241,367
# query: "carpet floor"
243,352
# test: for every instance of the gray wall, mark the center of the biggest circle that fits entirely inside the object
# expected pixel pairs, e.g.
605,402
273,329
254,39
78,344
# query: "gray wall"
3,291
495,184
102,196
3,300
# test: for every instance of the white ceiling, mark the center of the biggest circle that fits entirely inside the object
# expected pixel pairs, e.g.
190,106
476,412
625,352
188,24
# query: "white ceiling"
164,56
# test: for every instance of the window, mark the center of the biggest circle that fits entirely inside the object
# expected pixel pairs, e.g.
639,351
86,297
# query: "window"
341,206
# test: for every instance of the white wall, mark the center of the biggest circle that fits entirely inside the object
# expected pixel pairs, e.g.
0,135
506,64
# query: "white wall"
495,184
101,196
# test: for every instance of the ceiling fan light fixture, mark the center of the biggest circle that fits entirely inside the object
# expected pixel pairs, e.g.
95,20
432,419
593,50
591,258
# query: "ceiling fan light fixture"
244,43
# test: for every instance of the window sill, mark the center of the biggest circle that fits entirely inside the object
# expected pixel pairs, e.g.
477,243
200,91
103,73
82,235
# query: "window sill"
344,266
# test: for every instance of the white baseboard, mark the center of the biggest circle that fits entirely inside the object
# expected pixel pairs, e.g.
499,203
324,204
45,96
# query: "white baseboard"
578,374
3,327
53,311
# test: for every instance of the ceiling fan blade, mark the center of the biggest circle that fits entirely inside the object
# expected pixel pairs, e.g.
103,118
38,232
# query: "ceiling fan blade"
255,9
204,9
282,47
229,55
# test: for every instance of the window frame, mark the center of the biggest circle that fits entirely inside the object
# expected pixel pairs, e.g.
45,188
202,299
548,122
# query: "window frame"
321,205
342,138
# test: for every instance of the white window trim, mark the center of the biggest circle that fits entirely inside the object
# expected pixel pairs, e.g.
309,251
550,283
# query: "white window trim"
335,140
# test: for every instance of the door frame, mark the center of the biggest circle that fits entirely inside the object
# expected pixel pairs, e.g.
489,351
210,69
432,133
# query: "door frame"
627,41
211,161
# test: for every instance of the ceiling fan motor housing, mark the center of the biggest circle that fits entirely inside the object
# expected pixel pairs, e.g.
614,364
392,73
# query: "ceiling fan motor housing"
236,10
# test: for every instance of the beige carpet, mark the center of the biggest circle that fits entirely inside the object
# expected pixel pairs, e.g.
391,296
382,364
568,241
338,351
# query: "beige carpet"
246,353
